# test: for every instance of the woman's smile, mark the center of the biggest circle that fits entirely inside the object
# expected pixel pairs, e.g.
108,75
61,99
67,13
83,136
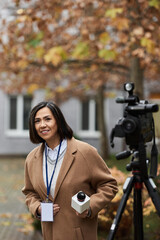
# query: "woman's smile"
44,131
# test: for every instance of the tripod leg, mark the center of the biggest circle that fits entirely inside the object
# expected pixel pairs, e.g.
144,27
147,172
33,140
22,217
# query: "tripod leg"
127,189
138,215
151,187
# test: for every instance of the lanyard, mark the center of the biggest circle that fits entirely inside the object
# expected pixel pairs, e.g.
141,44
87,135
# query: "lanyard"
49,185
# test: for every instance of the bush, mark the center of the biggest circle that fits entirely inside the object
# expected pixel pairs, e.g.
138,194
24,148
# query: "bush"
106,216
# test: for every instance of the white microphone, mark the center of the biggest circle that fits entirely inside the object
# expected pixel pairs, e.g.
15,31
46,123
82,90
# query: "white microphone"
80,202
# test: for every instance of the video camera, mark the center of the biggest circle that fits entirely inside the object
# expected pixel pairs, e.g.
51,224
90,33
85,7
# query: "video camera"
137,127
137,123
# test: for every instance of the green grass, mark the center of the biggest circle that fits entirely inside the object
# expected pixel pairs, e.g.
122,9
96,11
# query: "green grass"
120,164
151,225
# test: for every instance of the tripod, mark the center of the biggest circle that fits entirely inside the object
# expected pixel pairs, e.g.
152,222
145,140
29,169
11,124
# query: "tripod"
140,177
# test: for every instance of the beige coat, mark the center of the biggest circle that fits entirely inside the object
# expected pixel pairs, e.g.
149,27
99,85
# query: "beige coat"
82,169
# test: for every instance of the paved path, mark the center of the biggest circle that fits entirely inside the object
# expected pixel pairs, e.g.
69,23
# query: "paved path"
15,220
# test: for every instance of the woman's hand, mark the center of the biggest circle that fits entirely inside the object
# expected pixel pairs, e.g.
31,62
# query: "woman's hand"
84,214
39,210
56,209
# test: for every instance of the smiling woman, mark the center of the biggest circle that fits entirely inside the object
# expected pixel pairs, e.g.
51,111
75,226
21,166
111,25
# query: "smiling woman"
59,168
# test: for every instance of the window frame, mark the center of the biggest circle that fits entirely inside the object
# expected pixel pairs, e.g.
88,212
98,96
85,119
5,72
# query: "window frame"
91,132
19,131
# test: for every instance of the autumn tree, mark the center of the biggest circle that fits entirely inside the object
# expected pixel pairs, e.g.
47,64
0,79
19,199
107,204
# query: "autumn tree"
80,46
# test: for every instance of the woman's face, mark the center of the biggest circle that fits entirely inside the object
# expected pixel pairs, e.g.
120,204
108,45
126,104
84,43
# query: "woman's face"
46,127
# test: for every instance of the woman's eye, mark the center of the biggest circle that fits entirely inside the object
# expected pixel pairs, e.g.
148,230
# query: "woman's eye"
36,121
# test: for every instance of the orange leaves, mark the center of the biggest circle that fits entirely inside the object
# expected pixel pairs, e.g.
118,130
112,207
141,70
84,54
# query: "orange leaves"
104,37
106,216
138,32
39,52
25,225
148,44
32,87
55,55
113,12
6,215
81,51
22,64
154,3
123,23
120,23
23,18
107,54
117,21
120,176
20,11
148,207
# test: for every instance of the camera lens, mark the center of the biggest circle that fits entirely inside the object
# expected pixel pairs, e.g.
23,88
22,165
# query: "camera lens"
129,125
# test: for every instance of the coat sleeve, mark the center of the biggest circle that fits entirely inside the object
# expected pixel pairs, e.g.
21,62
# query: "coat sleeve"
33,200
104,184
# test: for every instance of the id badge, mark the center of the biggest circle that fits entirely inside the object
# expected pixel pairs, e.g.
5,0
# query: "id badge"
47,212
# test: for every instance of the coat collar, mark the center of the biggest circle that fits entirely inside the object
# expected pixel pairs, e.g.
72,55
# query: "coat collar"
66,165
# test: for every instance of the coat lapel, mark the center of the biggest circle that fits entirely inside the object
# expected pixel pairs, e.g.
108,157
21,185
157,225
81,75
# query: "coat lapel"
66,165
39,169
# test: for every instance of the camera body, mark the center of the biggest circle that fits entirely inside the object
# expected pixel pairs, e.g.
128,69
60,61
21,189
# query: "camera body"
137,122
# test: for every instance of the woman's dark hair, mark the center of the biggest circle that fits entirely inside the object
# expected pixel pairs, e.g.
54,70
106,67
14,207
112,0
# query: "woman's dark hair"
64,129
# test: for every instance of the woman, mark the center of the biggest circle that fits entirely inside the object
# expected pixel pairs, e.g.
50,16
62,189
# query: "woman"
56,170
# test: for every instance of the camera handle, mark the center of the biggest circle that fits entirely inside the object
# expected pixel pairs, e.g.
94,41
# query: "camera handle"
135,182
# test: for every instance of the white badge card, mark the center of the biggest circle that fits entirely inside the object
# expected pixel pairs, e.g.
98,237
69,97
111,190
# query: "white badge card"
47,212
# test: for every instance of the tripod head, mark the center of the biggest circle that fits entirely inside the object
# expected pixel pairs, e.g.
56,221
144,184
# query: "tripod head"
139,160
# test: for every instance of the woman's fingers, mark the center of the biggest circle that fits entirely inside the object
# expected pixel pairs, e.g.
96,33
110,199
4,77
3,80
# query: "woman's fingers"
56,209
82,215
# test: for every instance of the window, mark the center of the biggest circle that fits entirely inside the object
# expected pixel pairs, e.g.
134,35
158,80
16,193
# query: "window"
18,113
26,110
89,120
12,114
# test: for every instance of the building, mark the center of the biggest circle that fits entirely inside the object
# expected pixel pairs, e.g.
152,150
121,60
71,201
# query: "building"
81,116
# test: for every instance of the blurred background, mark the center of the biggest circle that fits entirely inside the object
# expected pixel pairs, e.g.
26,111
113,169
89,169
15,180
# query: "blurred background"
79,54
